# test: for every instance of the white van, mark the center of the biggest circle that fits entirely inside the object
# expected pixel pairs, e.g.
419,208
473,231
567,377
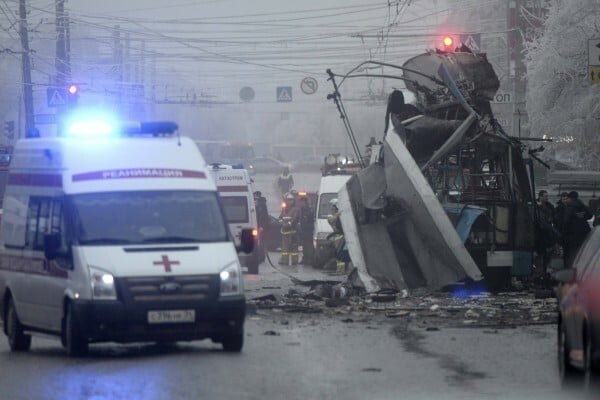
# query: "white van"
117,238
235,188
328,190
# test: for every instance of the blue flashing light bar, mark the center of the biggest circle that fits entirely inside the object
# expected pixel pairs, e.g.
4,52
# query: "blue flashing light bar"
149,128
95,126
89,123
97,129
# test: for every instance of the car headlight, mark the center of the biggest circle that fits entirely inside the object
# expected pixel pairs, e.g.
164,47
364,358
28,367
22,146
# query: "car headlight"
103,284
231,280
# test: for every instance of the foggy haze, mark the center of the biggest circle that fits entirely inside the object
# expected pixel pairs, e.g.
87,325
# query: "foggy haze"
188,60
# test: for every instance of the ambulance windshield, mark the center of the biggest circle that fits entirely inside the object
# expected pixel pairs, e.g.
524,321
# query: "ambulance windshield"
147,217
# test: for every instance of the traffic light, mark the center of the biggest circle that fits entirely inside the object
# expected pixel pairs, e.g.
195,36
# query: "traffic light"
449,43
72,95
9,129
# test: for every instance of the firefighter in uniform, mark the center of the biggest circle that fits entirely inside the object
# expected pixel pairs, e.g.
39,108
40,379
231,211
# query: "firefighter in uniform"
289,231
342,257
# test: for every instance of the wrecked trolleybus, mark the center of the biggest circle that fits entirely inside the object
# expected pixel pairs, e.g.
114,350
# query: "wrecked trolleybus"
480,174
446,153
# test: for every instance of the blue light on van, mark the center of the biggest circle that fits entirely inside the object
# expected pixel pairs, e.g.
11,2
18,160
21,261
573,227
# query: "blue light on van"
94,123
90,128
90,123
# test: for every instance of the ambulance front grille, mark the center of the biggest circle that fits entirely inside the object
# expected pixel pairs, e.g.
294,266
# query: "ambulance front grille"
173,288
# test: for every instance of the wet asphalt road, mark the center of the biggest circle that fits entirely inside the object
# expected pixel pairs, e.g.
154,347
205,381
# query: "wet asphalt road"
334,355
339,354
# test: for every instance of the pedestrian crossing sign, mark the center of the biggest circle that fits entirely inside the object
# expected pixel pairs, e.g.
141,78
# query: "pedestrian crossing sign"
56,97
284,94
472,41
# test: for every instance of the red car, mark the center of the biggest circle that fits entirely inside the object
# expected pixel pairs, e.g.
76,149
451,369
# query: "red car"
578,295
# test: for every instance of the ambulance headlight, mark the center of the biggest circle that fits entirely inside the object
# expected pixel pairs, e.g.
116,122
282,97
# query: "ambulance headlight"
103,284
231,280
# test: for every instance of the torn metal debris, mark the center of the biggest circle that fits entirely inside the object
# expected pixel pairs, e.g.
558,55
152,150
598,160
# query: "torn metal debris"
448,194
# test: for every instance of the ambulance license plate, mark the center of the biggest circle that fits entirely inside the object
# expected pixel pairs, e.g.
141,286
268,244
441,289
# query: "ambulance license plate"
171,316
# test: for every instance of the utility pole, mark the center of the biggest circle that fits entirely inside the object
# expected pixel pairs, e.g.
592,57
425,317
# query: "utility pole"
62,62
63,69
26,66
516,32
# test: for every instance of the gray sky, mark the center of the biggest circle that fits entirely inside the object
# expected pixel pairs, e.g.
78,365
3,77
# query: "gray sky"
212,48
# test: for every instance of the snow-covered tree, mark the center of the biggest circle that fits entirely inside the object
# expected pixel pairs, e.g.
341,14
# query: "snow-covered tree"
562,103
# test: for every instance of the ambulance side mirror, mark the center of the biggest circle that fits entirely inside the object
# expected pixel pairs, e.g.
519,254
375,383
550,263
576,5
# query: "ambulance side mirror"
246,240
51,245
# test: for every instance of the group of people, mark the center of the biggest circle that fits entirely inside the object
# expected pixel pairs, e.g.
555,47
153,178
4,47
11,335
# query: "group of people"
562,226
297,219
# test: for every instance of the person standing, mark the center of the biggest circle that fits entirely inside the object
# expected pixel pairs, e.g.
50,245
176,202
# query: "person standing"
559,210
289,232
285,182
342,256
547,236
262,220
334,217
575,227
262,214
306,221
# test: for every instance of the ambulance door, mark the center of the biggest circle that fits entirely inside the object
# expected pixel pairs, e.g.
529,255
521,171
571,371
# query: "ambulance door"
49,277
237,212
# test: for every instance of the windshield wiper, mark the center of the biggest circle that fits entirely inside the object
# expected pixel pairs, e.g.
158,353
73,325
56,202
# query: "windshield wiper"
105,241
171,239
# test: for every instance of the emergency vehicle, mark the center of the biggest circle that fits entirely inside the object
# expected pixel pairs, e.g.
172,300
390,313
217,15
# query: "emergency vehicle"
235,189
336,171
117,233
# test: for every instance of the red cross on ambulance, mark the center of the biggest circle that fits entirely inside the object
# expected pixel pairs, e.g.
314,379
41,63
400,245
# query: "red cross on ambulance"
166,262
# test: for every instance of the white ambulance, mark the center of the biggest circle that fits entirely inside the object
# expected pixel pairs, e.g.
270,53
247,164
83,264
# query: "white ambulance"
117,236
235,189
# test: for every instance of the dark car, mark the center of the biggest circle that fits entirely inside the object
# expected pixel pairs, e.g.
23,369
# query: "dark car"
578,295
263,165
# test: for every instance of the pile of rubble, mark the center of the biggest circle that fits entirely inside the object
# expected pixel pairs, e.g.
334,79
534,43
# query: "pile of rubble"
457,308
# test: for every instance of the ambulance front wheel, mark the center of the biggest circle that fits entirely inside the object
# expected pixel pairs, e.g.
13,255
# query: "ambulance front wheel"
75,343
17,340
233,343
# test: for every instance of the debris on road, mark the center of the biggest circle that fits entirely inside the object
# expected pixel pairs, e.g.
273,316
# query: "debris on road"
431,310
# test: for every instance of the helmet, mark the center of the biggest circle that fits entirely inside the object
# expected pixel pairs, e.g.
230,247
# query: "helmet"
333,202
289,196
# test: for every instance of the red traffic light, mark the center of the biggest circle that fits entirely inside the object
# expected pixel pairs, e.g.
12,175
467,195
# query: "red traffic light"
448,41
73,89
